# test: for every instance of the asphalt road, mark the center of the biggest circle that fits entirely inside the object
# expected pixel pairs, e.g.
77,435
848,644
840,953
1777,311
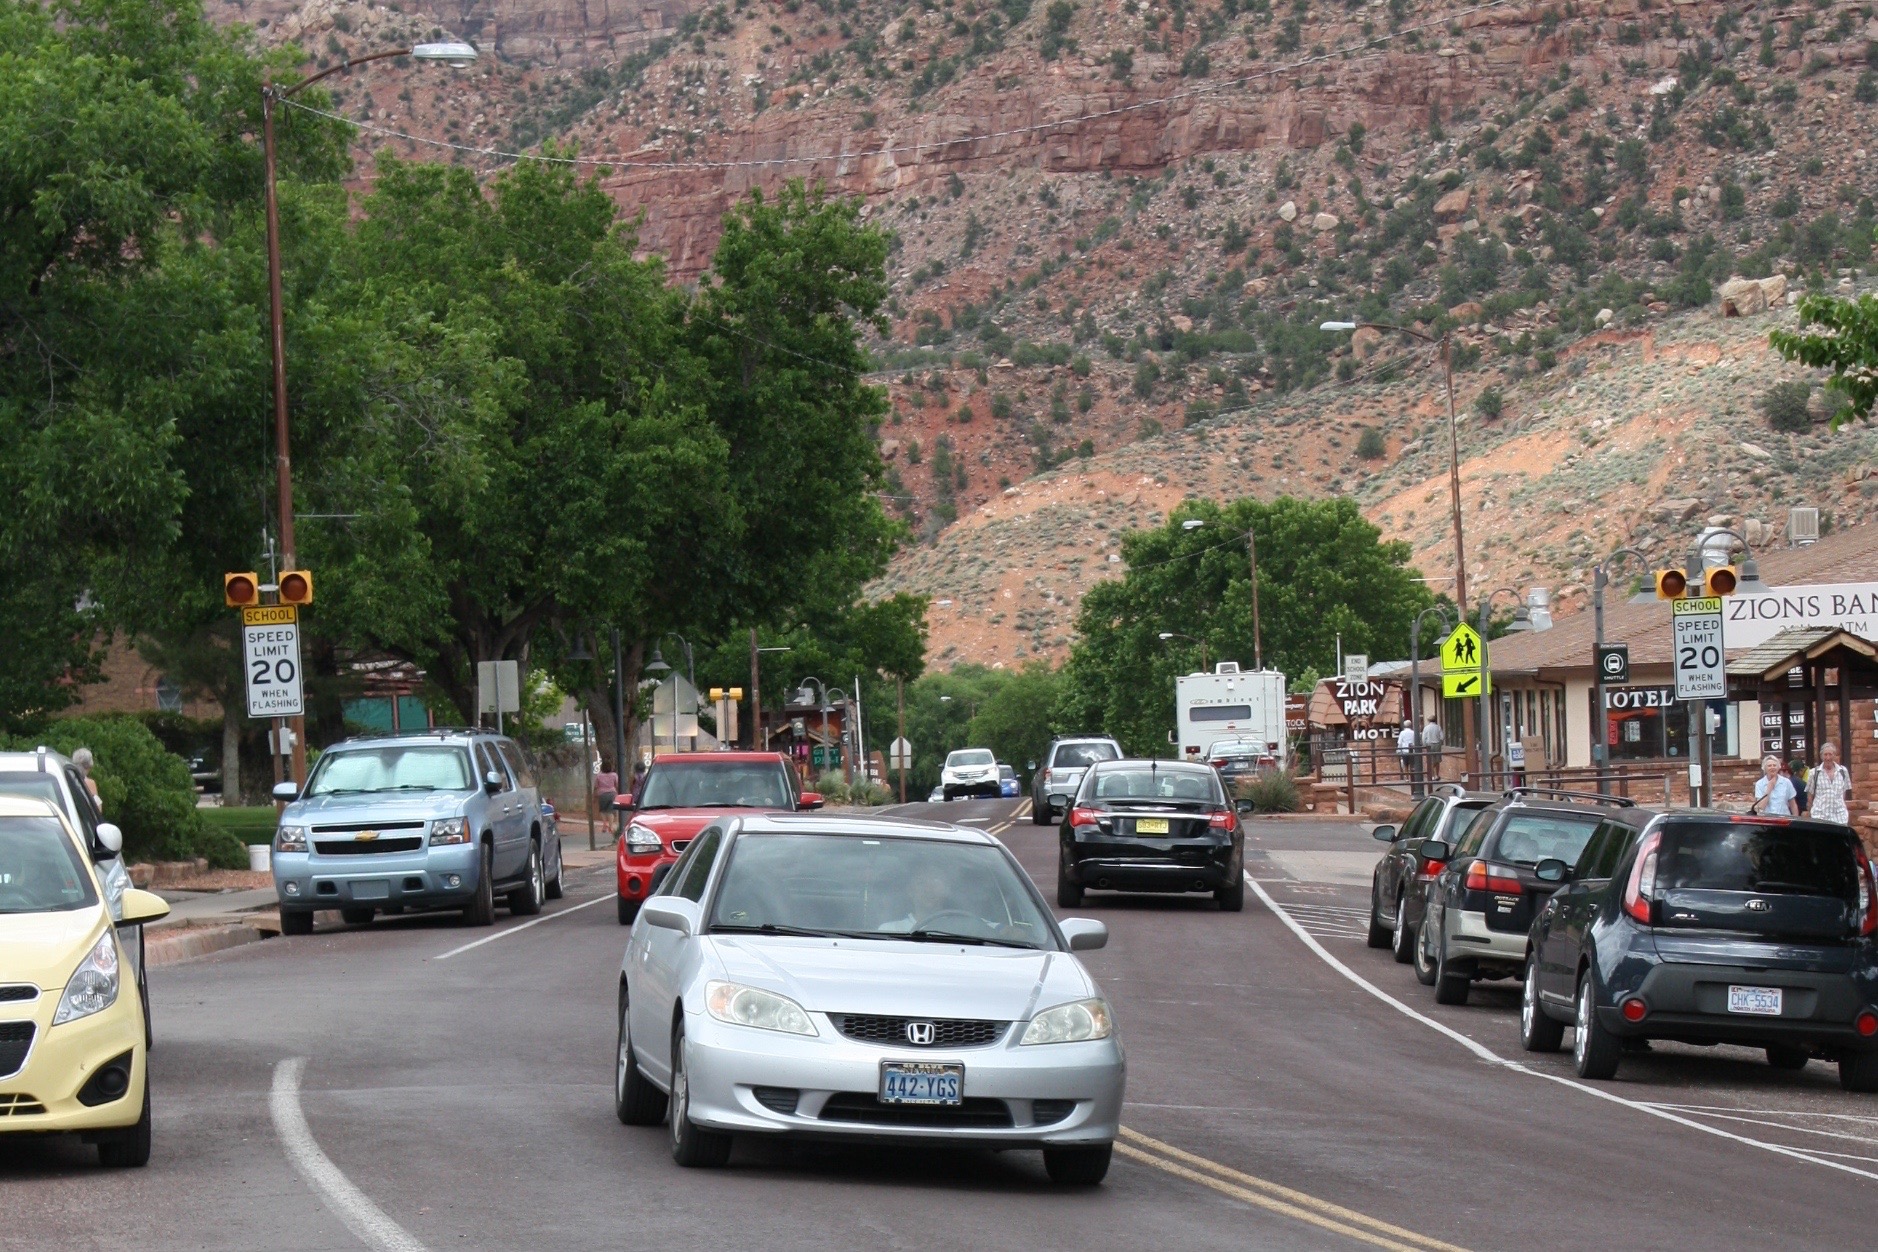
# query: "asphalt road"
387,1087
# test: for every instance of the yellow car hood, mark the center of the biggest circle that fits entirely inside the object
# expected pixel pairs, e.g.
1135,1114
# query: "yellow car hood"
45,948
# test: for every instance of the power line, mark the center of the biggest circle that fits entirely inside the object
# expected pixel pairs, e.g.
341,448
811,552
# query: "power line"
912,149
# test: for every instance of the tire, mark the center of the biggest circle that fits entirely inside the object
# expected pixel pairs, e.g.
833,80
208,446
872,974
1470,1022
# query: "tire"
1039,813
357,917
525,900
1068,893
296,921
554,889
130,1148
1787,1057
628,910
1077,1167
1858,1071
1424,959
1450,988
1537,1031
692,1146
1231,899
481,910
1596,1051
143,996
635,1100
1379,936
1402,943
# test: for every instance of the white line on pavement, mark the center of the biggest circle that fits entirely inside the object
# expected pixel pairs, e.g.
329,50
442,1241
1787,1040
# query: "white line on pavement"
1488,1054
545,917
1726,1108
352,1206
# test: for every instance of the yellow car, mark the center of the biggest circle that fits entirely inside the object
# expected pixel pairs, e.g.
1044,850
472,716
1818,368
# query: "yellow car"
72,1051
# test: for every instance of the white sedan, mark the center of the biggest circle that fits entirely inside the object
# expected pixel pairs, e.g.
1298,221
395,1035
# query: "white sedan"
864,980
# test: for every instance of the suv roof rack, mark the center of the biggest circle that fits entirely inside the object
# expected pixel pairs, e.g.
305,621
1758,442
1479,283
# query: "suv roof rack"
1560,793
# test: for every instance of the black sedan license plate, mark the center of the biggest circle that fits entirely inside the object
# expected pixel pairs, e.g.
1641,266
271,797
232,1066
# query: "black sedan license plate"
921,1082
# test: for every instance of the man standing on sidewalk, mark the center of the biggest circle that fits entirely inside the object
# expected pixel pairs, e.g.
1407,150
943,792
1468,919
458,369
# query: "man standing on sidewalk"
1432,746
1405,745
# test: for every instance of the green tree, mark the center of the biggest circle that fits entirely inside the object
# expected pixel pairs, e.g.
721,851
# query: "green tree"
1323,571
1016,718
1840,335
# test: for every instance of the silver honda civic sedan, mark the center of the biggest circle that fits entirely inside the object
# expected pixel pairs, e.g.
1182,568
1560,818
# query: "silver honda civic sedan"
864,980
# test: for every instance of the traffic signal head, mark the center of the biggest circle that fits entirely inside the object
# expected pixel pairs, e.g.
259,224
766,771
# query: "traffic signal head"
240,590
1671,584
1720,581
717,693
296,587
736,693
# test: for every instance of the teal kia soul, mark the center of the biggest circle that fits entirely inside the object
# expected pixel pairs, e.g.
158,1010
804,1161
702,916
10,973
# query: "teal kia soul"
442,819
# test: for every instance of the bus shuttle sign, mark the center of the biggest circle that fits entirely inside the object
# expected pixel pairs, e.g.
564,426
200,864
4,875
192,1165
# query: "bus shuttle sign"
1698,660
270,657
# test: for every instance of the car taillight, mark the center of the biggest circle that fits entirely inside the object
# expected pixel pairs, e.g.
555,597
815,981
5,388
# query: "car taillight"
1046,777
1085,817
1641,889
1224,819
1634,1009
1866,1023
1432,869
1218,763
1867,898
1482,876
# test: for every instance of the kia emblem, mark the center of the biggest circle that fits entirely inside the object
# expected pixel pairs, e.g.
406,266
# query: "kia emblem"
919,1034
1759,906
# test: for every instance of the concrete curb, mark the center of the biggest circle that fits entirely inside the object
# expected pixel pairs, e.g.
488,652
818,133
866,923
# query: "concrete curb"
172,945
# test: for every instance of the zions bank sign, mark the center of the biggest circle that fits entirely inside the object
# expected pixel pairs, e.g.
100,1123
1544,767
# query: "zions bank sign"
1752,619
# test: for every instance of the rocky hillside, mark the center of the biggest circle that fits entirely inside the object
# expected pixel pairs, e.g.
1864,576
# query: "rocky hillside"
1119,223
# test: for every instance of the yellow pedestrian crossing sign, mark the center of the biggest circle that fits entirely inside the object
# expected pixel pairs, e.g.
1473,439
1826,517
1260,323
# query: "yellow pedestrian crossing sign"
1463,670
1465,684
1462,649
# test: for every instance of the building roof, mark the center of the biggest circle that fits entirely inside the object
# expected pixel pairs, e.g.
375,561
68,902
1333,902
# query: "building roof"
1851,555
1771,661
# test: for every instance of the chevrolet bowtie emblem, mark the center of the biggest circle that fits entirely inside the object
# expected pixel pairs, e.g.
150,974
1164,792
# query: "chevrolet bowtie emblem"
366,836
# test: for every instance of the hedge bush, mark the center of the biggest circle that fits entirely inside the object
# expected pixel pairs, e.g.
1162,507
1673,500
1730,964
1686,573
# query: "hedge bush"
1272,792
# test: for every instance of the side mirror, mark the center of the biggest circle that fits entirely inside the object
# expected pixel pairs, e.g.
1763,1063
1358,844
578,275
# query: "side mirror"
1552,870
671,913
1435,850
286,792
1031,766
810,800
1085,934
492,782
111,839
624,802
1245,806
1059,803
142,906
1386,834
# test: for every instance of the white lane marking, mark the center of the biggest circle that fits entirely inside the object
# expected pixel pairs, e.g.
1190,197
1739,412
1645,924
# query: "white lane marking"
500,934
352,1206
1798,1130
964,820
1487,1054
1724,1108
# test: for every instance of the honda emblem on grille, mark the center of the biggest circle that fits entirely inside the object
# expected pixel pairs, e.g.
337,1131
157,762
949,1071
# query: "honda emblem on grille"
366,836
1759,906
919,1034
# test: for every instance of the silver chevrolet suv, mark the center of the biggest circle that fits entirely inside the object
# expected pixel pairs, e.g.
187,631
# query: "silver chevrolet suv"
436,819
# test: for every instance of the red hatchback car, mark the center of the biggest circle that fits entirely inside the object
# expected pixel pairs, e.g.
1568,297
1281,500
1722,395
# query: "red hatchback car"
681,794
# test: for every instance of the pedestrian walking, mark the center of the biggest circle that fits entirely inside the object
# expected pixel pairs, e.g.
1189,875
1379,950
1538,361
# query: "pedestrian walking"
1405,745
1831,785
1796,776
1432,746
1773,790
83,762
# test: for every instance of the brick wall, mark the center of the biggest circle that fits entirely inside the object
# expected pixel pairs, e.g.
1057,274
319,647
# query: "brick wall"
129,686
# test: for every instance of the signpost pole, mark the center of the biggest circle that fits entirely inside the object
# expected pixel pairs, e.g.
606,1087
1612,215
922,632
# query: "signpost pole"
900,685
1600,712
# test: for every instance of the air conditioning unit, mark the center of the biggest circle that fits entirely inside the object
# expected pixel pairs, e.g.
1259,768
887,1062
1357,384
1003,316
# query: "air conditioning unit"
1226,667
1802,526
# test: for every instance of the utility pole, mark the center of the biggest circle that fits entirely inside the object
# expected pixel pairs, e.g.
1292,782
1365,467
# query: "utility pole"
1252,551
619,729
756,696
900,686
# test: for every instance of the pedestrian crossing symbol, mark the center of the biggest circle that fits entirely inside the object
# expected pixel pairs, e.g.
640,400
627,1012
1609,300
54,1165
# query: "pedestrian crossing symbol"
1462,649
1463,670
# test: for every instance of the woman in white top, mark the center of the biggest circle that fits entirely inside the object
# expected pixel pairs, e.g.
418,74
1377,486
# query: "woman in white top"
1832,787
1773,793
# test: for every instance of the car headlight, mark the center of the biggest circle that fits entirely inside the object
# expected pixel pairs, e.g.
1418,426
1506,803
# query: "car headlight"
92,987
446,830
752,1006
639,839
1075,1022
290,839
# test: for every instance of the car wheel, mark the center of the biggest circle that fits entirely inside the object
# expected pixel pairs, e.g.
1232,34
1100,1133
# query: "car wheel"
1450,988
482,908
1039,813
1858,1071
628,910
296,921
525,900
1402,943
1595,1051
1783,1057
1078,1167
130,1148
1424,956
1537,1031
692,1147
357,916
1231,899
554,890
1068,892
635,1100
1378,933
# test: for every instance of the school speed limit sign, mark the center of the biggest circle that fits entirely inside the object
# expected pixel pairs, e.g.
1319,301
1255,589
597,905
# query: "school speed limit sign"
1697,631
270,657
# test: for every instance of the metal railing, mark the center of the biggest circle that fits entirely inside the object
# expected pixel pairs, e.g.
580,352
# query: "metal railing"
1379,765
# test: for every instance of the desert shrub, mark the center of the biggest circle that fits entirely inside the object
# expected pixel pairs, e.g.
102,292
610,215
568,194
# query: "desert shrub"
1784,405
1275,791
1370,445
1490,403
833,788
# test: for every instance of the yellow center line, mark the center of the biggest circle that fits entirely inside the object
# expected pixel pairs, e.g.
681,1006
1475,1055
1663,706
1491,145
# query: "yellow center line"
1275,1197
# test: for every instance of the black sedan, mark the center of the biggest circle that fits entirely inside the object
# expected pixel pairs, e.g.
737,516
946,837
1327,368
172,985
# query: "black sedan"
1161,826
1398,888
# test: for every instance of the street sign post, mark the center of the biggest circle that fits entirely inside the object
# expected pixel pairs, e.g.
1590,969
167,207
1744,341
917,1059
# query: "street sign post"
270,658
498,688
900,754
1355,667
1698,659
1613,662
1463,675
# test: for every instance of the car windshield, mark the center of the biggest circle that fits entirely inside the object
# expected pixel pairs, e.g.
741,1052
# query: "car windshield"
397,767
716,784
970,756
32,785
1161,783
40,869
1075,755
1529,838
1744,856
887,888
1236,747
1007,771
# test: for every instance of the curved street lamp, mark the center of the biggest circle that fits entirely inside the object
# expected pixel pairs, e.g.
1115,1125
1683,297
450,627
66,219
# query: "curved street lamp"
1600,579
1252,556
1522,620
1415,680
1174,634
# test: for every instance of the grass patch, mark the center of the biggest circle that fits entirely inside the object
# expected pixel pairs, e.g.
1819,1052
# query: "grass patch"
250,825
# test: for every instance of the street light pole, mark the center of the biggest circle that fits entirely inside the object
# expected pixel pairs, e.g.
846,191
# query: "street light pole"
1521,621
1205,668
1415,684
1252,552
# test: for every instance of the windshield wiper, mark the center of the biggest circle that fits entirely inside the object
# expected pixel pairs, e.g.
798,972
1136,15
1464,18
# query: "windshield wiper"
771,928
948,936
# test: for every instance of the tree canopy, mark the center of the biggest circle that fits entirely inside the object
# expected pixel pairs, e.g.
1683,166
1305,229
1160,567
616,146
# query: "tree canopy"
1840,335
